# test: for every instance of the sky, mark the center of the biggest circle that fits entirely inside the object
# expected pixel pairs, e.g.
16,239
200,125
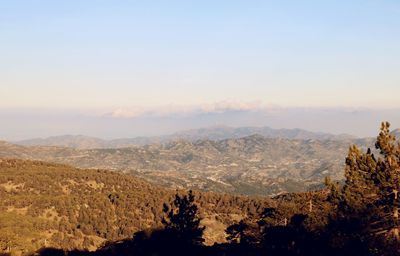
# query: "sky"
131,58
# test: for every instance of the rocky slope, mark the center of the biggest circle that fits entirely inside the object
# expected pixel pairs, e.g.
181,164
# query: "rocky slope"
250,165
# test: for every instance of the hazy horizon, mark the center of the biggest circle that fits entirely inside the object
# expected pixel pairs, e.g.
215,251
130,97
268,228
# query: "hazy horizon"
27,124
127,69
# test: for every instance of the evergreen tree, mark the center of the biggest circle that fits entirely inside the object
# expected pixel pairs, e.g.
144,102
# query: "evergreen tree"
387,179
236,232
359,191
367,204
247,233
183,219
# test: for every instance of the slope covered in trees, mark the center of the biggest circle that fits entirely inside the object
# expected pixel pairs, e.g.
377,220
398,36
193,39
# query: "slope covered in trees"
56,205
359,217
113,214
253,165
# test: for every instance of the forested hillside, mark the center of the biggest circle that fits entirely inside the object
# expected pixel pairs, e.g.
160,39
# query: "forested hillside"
69,211
57,205
253,165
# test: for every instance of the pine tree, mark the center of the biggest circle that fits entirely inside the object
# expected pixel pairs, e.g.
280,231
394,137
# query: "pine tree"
236,232
369,196
387,180
183,220
359,191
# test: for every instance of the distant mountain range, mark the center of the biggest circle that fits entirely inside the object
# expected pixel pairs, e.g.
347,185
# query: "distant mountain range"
212,133
252,165
250,161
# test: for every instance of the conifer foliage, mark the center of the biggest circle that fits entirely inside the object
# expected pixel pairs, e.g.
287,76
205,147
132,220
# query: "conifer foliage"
370,192
359,216
183,219
387,179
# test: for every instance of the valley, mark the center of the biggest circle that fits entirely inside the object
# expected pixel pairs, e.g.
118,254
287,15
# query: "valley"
251,165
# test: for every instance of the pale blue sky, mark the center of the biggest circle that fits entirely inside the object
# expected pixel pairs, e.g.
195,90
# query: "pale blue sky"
112,54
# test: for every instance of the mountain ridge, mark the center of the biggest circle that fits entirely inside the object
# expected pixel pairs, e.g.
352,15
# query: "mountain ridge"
214,133
252,165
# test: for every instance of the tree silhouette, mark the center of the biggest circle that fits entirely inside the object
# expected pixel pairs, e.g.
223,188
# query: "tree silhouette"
243,232
236,232
183,219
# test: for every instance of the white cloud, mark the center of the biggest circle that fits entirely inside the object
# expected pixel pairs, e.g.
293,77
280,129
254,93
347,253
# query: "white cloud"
187,110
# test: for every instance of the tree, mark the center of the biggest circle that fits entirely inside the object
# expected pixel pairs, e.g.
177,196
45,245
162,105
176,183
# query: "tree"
387,179
270,217
236,232
359,190
368,203
183,219
245,233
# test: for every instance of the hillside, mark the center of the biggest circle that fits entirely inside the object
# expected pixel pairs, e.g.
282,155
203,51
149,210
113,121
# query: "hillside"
70,141
59,206
215,133
252,165
225,132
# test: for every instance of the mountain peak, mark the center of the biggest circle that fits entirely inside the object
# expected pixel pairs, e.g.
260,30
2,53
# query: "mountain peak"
213,133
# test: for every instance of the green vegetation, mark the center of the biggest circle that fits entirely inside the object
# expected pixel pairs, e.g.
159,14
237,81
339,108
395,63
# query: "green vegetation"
253,165
70,212
184,222
64,207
